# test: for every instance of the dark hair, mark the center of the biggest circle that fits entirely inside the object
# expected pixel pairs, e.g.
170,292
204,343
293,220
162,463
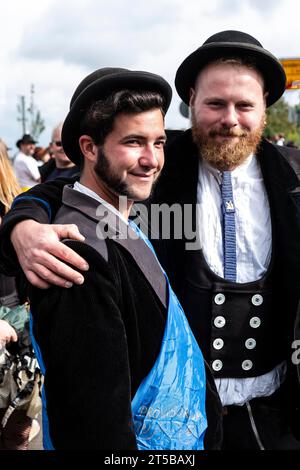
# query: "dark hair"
98,120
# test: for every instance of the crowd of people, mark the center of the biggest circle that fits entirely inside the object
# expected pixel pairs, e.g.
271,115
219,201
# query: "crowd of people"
279,139
20,374
166,272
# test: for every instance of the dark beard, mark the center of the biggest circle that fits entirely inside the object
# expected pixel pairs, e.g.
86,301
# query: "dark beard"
104,171
226,155
110,179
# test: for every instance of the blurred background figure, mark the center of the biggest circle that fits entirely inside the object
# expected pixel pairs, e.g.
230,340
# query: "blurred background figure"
25,166
280,140
9,187
20,376
59,166
41,155
291,143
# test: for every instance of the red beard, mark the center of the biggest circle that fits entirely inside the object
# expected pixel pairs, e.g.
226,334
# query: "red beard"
226,155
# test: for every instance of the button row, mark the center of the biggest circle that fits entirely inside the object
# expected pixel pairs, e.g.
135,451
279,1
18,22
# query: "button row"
217,365
218,343
256,299
220,321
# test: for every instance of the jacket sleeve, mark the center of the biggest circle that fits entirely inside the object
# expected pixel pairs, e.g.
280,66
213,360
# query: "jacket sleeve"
40,203
83,342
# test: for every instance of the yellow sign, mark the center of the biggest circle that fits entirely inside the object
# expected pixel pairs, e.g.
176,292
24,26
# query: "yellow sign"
292,70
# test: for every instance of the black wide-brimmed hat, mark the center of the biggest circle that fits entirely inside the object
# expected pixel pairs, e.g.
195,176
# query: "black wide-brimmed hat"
99,85
232,44
26,139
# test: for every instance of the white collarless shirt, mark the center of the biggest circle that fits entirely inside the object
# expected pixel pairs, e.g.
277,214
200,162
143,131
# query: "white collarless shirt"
26,170
253,250
85,190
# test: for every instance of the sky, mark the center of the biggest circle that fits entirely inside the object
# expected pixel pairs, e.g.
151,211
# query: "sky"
54,44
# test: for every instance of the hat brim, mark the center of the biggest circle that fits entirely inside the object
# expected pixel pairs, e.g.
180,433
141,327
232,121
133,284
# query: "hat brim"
101,88
269,66
20,142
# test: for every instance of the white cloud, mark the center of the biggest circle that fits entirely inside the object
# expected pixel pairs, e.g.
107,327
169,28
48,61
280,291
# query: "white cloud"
55,43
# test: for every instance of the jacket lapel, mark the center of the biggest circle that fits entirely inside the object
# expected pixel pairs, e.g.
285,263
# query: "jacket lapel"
109,225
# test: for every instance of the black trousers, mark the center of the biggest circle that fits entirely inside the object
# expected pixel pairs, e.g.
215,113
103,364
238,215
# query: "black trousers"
261,424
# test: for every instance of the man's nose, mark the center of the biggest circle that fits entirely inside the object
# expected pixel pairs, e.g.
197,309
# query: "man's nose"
149,156
229,117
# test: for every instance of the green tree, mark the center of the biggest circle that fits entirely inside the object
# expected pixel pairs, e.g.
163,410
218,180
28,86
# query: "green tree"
278,121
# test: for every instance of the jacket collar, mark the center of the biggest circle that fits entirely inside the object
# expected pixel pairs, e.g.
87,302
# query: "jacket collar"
278,172
116,229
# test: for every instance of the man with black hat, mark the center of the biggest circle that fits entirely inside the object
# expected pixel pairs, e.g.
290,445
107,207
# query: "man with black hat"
25,166
122,367
244,278
239,284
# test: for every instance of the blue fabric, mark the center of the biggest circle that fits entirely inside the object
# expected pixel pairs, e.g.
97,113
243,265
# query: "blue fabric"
169,406
45,203
229,233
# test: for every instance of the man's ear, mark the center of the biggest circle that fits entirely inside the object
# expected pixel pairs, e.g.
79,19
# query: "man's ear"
88,148
192,97
266,94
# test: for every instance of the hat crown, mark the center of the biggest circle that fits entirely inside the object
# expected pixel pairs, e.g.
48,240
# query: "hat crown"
92,77
99,85
26,139
232,36
232,44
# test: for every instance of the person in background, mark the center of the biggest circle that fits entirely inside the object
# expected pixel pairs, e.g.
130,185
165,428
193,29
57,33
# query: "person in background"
19,371
292,143
60,166
25,166
280,140
41,155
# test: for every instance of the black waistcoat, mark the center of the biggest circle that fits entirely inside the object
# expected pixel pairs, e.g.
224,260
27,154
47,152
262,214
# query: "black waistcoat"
236,325
274,335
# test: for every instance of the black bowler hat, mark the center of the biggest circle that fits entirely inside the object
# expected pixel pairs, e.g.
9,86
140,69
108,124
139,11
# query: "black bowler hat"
26,139
232,44
99,85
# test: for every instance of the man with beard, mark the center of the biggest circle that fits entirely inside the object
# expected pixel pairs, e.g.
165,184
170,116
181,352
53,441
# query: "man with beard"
239,283
240,288
122,367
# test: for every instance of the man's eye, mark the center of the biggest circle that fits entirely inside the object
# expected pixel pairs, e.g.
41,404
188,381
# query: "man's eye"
132,142
245,106
215,104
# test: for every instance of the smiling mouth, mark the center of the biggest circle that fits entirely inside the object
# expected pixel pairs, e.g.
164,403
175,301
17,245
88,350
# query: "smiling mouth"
144,176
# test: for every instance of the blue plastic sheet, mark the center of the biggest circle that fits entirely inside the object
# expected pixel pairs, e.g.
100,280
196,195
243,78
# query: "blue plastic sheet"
169,406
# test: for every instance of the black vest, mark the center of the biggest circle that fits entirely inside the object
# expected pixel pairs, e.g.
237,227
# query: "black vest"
236,325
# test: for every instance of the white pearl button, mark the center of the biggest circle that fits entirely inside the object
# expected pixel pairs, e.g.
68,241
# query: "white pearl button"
218,343
250,343
257,299
247,364
219,299
255,322
219,321
217,365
